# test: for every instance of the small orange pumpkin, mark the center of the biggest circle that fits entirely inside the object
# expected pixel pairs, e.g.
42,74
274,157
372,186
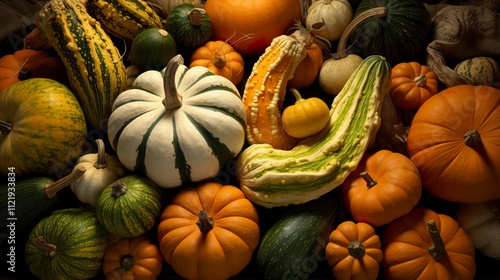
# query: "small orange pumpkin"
386,185
132,258
308,69
426,245
412,84
353,251
220,58
27,63
454,142
209,232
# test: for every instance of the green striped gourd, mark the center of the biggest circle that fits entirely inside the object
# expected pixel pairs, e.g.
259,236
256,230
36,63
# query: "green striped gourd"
480,70
130,206
179,125
124,18
94,64
34,196
272,177
67,244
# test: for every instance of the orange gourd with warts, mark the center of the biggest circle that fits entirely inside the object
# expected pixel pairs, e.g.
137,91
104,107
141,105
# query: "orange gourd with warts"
265,90
220,58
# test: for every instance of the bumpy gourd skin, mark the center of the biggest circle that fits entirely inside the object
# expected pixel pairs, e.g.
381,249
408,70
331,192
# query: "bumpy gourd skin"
265,91
95,66
272,177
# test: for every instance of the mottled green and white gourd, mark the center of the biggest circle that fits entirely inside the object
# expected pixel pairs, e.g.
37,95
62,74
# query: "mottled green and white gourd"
272,177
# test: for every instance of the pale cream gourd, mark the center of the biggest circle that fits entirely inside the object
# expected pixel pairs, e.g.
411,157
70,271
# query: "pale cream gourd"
102,170
481,221
335,14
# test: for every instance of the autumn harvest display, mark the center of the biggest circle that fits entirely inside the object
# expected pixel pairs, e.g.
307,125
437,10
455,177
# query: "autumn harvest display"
224,139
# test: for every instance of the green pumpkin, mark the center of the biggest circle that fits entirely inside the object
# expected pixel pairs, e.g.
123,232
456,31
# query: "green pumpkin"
399,35
67,244
34,197
42,128
190,26
152,49
130,206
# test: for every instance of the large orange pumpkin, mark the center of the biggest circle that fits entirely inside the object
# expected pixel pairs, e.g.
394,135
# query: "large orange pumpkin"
27,63
209,232
426,245
454,140
384,187
251,25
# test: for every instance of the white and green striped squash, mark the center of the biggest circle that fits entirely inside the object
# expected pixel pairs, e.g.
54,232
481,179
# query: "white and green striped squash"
179,125
95,66
271,177
130,206
480,70
67,244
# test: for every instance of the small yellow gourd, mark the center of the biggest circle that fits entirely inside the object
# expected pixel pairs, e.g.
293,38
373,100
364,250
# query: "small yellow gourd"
306,117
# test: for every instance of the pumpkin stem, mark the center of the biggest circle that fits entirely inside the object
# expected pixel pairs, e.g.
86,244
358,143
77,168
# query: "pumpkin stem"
472,138
101,155
172,98
54,187
127,263
24,73
205,222
5,127
218,61
195,16
297,95
50,249
421,81
369,179
118,189
356,249
373,12
437,249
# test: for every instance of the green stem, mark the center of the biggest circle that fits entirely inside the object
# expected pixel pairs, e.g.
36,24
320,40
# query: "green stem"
356,249
172,98
205,222
5,127
50,249
370,182
437,249
101,155
127,263
54,187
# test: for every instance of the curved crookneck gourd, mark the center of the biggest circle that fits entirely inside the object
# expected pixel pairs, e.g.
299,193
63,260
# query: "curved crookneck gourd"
271,177
265,90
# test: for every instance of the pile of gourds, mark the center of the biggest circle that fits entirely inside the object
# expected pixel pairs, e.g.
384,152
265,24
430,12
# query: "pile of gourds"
208,139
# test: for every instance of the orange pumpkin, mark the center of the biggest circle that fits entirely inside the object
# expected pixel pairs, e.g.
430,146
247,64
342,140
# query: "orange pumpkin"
220,58
132,258
412,84
251,25
27,63
426,245
385,186
353,251
454,140
308,69
209,232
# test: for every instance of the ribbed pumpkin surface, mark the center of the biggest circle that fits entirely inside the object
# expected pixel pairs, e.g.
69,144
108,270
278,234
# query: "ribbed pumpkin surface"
80,241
